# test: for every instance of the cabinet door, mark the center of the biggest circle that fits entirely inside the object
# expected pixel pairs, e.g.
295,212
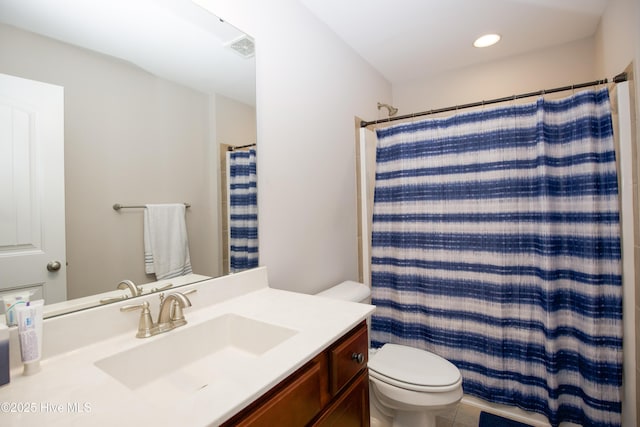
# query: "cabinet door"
351,408
292,403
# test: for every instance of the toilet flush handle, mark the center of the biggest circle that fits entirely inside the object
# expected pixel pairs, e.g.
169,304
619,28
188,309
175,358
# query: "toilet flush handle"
358,357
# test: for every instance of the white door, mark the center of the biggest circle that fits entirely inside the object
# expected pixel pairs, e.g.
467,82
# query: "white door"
32,227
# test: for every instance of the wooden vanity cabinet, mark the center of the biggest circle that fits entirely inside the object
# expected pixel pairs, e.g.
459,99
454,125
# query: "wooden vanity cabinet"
330,390
350,408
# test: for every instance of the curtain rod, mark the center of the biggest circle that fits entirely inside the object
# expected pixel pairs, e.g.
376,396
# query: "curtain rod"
622,77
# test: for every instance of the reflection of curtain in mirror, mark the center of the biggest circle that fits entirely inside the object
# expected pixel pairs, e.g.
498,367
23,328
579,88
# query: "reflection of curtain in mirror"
243,210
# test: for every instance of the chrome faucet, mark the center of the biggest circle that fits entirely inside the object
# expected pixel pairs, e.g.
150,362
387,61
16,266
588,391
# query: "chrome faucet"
128,284
169,317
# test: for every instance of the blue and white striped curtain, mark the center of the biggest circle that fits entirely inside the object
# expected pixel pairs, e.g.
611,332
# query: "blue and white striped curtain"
496,244
243,210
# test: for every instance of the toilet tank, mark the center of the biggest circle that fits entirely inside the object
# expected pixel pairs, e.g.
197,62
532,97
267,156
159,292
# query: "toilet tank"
348,291
353,292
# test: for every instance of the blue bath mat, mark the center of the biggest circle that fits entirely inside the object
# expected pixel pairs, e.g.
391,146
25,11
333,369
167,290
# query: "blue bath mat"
490,420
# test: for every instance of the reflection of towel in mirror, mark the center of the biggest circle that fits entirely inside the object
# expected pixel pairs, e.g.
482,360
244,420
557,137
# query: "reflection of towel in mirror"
166,246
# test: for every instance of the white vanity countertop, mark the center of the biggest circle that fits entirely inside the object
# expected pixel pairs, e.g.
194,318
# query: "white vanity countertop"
71,391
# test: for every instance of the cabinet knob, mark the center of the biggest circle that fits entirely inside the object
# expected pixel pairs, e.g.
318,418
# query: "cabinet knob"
358,357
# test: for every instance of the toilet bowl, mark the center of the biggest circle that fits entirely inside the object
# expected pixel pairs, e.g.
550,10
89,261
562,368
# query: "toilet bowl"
407,386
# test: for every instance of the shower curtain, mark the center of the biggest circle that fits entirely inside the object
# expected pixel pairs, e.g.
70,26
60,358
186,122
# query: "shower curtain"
496,245
243,210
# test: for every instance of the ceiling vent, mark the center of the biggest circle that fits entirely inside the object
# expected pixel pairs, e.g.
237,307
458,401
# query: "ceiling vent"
243,46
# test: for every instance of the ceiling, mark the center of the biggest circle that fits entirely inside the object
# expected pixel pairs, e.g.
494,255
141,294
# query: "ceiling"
410,39
403,39
173,39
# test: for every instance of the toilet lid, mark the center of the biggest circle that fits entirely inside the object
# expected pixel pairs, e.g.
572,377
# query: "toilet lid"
413,366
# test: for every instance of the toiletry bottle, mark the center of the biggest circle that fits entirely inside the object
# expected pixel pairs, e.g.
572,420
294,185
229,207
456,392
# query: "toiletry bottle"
30,335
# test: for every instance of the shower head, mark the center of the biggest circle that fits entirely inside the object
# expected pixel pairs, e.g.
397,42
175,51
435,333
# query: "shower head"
392,110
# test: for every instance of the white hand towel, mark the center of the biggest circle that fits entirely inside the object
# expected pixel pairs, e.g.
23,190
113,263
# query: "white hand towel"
166,245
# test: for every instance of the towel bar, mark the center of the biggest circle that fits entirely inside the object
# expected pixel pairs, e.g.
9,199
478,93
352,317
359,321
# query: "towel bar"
118,206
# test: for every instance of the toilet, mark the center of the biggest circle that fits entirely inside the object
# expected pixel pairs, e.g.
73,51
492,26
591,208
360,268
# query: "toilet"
407,386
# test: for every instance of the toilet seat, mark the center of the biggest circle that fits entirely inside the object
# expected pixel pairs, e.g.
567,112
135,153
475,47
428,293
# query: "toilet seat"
413,369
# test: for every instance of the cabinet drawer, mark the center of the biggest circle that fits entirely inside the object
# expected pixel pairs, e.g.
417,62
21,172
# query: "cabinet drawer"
348,358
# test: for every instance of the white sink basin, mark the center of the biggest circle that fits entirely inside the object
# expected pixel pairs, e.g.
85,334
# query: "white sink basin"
189,358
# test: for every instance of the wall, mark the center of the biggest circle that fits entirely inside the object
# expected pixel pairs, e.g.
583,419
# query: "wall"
310,86
235,122
555,67
156,154
618,36
618,49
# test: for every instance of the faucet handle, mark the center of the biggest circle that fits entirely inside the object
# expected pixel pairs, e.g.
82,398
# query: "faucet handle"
162,288
132,307
146,327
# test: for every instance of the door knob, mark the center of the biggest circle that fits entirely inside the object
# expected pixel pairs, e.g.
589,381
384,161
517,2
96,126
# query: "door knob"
54,265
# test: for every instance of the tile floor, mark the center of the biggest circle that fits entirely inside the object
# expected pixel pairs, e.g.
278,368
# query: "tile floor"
460,416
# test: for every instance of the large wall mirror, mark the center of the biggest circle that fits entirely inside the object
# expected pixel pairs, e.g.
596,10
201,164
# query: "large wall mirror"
152,91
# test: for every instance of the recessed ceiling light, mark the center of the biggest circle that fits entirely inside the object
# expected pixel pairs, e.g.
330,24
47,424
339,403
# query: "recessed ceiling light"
487,40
